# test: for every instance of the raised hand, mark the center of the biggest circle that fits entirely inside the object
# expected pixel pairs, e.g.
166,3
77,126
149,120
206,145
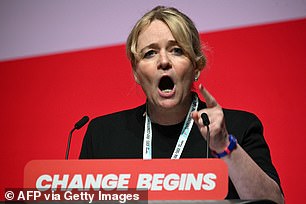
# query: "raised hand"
218,133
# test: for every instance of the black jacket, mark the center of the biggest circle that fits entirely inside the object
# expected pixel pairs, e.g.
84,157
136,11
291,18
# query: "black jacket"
120,135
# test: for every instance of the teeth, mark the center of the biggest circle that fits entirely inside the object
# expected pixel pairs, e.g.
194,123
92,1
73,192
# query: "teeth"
167,90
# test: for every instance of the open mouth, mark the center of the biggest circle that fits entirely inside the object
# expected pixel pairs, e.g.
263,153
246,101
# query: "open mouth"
166,84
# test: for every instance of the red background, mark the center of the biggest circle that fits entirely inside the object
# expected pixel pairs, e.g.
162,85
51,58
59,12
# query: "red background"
260,69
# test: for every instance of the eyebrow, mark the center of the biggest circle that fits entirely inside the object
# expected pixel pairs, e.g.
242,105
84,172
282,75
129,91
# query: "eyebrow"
155,45
152,45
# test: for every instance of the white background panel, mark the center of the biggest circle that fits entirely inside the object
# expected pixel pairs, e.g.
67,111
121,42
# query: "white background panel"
35,27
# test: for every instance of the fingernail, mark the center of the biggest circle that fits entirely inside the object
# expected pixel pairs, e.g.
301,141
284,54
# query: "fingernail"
191,114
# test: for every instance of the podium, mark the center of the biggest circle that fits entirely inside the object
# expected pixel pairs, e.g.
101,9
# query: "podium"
129,180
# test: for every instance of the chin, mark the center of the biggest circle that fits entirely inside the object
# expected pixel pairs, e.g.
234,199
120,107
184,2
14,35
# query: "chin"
168,103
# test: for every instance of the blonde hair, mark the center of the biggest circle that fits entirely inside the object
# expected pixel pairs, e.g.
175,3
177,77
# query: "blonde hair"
182,29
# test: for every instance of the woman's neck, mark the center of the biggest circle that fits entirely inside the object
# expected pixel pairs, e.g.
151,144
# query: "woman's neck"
169,116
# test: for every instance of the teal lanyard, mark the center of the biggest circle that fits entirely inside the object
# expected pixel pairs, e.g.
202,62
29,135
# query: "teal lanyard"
147,139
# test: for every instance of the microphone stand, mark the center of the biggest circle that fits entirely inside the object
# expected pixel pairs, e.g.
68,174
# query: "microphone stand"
68,143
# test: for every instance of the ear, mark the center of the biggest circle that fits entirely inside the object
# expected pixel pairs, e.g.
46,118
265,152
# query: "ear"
197,74
136,77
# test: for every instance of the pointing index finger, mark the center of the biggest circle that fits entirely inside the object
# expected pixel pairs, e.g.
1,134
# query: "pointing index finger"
210,100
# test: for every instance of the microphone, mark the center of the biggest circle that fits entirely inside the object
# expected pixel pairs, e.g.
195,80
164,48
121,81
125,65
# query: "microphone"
81,123
77,126
205,119
206,123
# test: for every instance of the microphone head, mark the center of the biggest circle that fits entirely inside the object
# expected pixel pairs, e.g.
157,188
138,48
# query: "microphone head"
81,122
205,119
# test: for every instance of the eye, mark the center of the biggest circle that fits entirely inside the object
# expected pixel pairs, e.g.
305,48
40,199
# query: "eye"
177,51
149,54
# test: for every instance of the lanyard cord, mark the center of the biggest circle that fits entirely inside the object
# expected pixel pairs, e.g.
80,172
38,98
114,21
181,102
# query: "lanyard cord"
147,139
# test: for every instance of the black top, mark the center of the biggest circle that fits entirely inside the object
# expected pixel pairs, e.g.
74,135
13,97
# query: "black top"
120,135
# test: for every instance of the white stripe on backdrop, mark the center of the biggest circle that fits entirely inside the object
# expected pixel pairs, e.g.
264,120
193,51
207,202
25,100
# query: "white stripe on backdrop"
34,27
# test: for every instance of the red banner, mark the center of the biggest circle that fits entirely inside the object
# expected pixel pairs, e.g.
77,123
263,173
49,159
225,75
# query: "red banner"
163,179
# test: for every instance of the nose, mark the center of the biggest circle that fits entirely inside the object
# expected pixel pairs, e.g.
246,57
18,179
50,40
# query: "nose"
164,61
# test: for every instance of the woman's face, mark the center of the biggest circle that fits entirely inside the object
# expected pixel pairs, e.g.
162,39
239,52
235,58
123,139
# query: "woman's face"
164,72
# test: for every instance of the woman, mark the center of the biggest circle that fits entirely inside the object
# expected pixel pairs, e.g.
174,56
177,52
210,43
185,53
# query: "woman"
166,57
